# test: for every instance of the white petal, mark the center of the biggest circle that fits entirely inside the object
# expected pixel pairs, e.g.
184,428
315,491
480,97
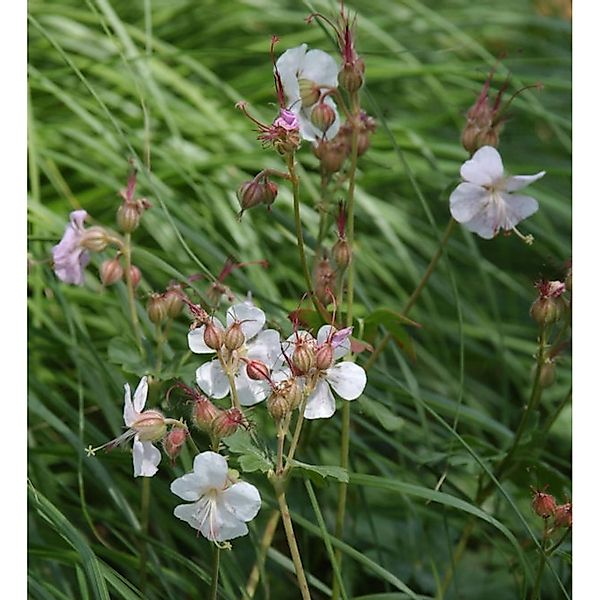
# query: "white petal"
145,458
518,208
140,395
347,379
221,524
289,65
467,200
196,339
320,67
488,221
265,346
253,319
211,470
321,403
129,413
243,500
250,392
324,333
518,182
212,380
188,513
187,487
484,168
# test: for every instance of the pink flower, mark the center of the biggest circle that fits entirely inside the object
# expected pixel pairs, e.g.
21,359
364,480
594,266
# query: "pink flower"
70,258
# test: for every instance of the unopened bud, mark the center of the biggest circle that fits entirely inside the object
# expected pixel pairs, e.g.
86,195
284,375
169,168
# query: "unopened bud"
543,504
322,116
270,191
278,406
546,311
151,426
303,358
250,193
332,154
547,374
95,239
136,276
351,77
156,308
173,302
563,515
227,423
324,356
325,281
111,271
257,370
234,337
363,142
291,389
128,217
309,92
174,441
213,336
204,413
341,253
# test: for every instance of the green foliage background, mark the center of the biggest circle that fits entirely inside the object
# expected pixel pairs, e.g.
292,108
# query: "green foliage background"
106,77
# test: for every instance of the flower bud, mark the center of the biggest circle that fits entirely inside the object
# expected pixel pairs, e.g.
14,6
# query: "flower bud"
136,276
351,76
257,370
332,154
156,308
204,413
547,374
270,191
151,426
111,271
324,356
546,311
563,515
341,253
278,406
174,441
543,504
213,336
322,116
173,303
325,281
95,239
250,193
128,217
303,358
292,391
227,423
234,337
363,142
309,92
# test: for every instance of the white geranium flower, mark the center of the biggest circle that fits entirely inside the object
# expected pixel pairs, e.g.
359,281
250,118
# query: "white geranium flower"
259,345
305,75
484,202
220,508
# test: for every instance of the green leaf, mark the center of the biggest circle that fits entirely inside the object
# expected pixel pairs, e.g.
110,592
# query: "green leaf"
376,410
251,458
123,352
396,324
320,472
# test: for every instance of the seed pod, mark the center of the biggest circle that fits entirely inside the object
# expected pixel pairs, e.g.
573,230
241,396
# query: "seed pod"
303,358
111,271
213,336
341,253
234,337
270,192
546,311
257,370
173,302
278,406
156,308
543,504
563,515
128,217
322,116
250,193
204,413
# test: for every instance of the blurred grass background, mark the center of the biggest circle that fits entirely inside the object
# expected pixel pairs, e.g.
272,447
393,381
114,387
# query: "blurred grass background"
107,80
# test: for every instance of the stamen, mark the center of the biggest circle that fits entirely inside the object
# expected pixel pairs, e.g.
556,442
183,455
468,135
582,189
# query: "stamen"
528,239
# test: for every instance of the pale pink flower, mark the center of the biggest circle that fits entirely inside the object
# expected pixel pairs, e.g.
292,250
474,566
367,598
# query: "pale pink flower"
70,258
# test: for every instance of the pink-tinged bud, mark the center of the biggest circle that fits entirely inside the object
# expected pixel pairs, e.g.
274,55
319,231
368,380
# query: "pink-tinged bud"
352,75
543,504
156,308
227,423
95,239
234,337
213,336
363,142
151,426
332,154
322,116
173,302
257,370
204,413
324,356
341,253
563,515
136,276
309,92
128,217
251,193
111,271
270,193
546,311
303,358
324,282
174,441
278,406
547,374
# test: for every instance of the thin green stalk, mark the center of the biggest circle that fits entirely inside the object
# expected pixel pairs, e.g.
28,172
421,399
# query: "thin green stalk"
145,512
214,586
537,586
265,544
297,430
417,292
135,323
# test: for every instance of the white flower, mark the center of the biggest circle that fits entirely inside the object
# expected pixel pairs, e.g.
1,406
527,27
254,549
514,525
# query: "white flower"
484,202
312,67
220,508
144,427
259,345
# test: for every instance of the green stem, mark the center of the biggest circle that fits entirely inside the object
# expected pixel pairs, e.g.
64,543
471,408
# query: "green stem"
145,512
537,586
297,429
135,323
291,539
417,292
214,586
265,544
